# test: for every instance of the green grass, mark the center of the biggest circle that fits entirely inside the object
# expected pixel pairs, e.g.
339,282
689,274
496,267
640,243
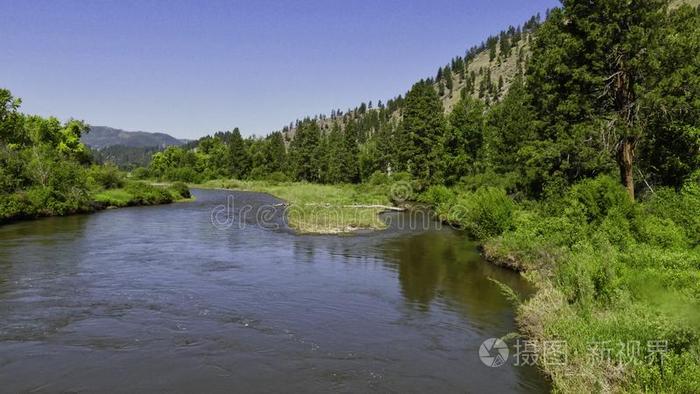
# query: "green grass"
114,197
607,270
139,193
320,209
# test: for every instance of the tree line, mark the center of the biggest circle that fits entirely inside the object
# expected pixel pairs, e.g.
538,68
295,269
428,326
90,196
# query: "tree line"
606,89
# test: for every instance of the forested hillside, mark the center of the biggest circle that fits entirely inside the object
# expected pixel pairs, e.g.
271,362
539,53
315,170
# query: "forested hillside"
102,137
496,109
126,157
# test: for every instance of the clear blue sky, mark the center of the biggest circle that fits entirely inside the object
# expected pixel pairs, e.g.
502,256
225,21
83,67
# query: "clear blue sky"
193,67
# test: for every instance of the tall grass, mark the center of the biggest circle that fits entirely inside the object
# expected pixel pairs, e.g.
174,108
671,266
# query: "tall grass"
609,271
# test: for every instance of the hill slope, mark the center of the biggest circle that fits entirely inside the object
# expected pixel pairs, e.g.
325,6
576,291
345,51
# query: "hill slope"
485,72
101,137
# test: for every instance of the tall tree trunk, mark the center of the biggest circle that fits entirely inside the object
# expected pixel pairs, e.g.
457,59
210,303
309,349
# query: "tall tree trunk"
625,160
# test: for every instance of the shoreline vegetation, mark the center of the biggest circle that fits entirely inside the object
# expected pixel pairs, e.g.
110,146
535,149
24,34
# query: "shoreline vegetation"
320,209
45,170
128,194
608,271
614,279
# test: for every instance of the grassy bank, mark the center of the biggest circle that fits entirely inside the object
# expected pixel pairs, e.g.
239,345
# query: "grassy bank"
135,193
619,281
101,187
321,209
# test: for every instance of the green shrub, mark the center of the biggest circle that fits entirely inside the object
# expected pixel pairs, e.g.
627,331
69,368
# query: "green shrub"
378,178
107,176
489,178
437,196
664,233
14,206
682,207
277,177
140,173
145,194
183,174
181,189
484,213
614,230
593,198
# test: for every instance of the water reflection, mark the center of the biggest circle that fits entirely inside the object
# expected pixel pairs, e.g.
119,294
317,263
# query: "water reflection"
90,302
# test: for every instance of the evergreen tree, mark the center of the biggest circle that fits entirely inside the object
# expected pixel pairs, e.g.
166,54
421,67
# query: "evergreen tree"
275,153
588,64
669,149
465,137
304,152
422,132
509,128
334,156
350,152
448,79
238,155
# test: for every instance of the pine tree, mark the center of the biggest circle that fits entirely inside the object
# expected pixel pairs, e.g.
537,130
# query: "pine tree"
238,155
350,152
275,153
421,134
448,79
588,62
464,141
509,128
304,152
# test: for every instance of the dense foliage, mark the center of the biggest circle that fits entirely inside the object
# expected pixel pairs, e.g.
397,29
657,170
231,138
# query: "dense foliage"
45,170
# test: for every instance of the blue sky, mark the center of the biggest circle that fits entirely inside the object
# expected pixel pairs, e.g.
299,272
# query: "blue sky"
190,68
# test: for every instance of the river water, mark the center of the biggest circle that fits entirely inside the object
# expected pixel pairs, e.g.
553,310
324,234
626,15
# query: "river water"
158,299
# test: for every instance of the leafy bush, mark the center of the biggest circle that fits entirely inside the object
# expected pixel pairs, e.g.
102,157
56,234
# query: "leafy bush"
107,176
486,213
145,194
437,196
614,230
140,173
489,178
593,198
682,208
181,189
664,233
378,178
184,174
277,177
15,205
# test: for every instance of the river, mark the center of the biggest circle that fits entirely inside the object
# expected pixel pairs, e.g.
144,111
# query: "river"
158,299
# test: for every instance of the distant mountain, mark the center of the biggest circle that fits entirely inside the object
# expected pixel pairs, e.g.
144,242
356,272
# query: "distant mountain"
101,137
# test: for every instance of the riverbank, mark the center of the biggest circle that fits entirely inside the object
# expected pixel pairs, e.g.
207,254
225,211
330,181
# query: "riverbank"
125,193
618,282
321,209
142,194
142,273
